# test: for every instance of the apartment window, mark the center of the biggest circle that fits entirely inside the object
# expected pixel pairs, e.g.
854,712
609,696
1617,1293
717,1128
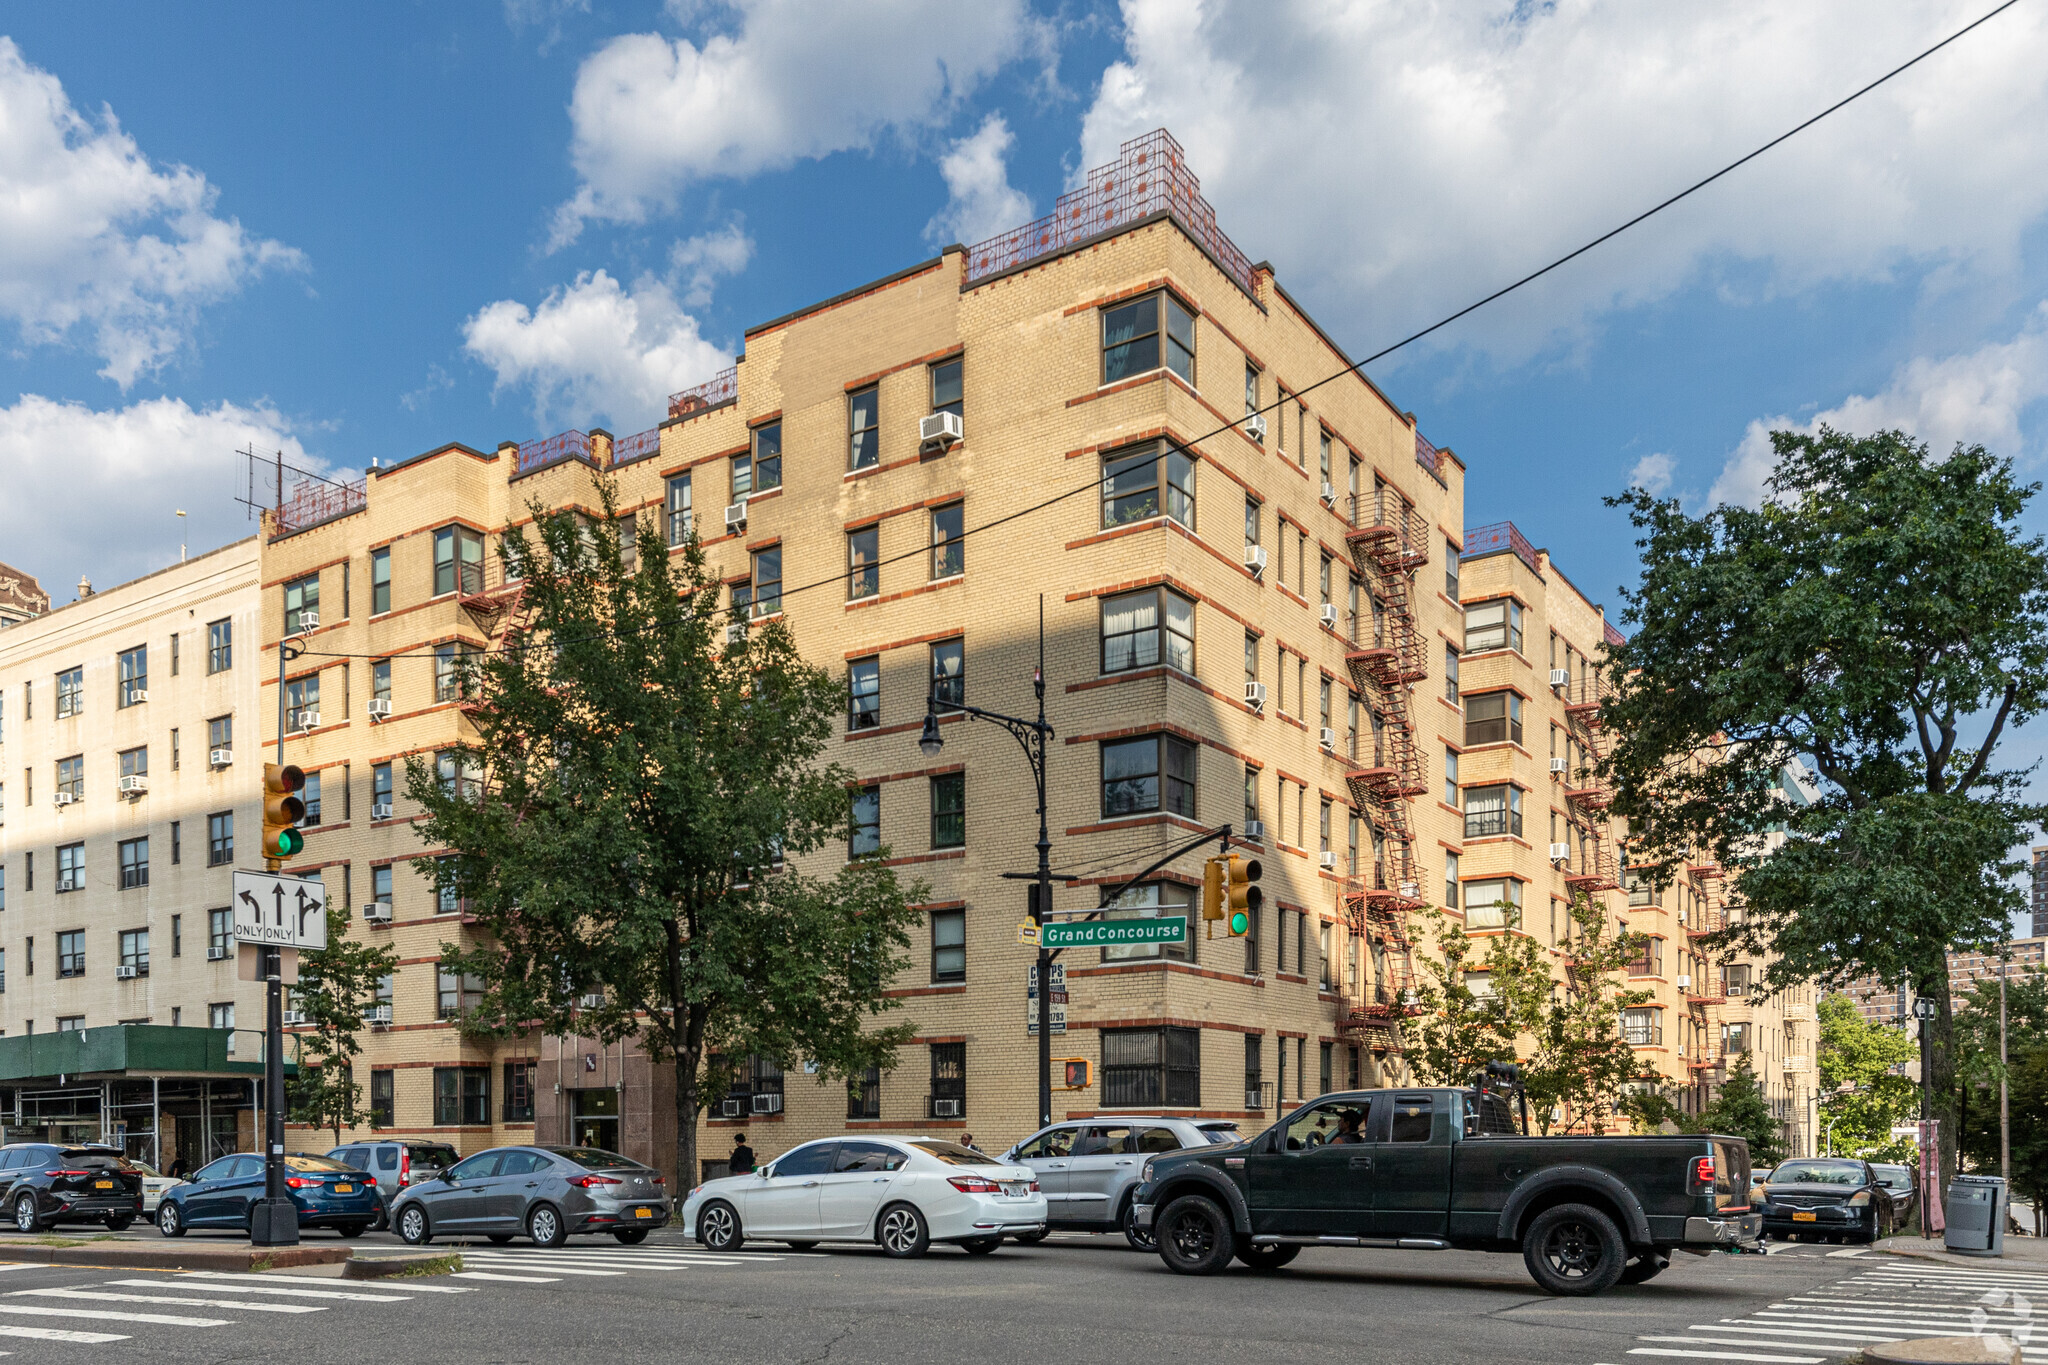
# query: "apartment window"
174,748
220,838
1151,1066
949,945
946,387
462,1096
1251,657
177,935
71,777
1150,901
220,928
1251,796
1137,483
383,1098
627,529
1131,338
301,601
1451,673
1451,553
457,778
1493,717
949,681
3,971
456,993
1251,941
135,950
1323,828
1735,979
864,1095
864,693
309,794
1323,459
1323,580
1328,1051
863,417
949,545
302,701
1642,1028
1251,388
134,762
1451,889
1495,904
767,457
134,863
767,582
1641,891
380,788
458,560
679,511
867,822
863,569
1493,810
70,868
450,662
70,693
380,680
174,653
1150,773
518,1092
1649,958
1139,629
71,953
1493,625
742,476
949,1080
949,810
220,733
134,665
1450,774
3,886
1735,1039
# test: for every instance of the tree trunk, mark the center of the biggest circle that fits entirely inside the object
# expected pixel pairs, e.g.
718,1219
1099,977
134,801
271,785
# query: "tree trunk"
1941,1076
689,1039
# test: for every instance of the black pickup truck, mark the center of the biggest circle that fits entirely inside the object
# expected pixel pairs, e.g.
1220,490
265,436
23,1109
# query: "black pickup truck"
1435,1169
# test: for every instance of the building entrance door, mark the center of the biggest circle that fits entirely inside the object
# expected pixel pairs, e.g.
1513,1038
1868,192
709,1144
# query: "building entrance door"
594,1118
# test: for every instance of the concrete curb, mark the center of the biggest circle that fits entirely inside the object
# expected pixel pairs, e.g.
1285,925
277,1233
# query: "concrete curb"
383,1267
168,1256
1942,1351
2025,1257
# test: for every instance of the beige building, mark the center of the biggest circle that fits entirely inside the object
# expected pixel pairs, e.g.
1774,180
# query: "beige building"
124,793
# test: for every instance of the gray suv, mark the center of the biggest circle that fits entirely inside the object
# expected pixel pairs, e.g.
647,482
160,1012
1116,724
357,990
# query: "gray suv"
1088,1167
394,1165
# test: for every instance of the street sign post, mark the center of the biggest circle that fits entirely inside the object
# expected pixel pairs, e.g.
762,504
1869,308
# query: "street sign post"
1925,1007
1058,1001
280,912
1112,933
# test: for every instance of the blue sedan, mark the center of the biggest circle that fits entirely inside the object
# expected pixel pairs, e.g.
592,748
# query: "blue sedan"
224,1194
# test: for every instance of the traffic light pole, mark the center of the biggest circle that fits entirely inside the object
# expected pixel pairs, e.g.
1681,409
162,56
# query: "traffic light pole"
274,1222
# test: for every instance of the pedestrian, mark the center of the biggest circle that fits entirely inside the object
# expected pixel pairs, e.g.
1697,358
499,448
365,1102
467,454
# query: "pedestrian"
967,1141
741,1162
177,1171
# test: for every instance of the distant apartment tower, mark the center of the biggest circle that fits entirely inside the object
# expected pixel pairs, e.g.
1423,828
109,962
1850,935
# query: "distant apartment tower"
22,598
2041,892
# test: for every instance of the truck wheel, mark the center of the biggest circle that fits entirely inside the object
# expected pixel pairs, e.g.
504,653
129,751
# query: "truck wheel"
1266,1257
1573,1249
1195,1236
1645,1267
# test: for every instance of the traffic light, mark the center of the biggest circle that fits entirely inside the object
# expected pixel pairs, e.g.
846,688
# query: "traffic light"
282,811
1212,889
1243,895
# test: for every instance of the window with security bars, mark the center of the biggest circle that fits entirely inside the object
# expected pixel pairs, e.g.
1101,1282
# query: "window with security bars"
462,1096
1151,1066
519,1092
949,1080
383,1097
864,1095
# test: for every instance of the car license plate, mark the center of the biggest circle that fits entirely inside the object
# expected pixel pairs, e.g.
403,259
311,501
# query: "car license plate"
344,1189
1806,1218
1017,1190
103,1184
643,1213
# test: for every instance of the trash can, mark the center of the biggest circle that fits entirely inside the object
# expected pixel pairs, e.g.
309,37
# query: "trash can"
1976,1216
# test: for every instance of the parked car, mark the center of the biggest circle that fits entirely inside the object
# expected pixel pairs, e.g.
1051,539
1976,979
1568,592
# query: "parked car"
223,1194
1757,1179
1835,1198
43,1185
1087,1169
1431,1169
1899,1183
154,1183
548,1193
901,1192
395,1165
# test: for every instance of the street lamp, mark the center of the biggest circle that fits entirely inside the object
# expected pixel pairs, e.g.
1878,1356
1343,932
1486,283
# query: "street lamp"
1033,735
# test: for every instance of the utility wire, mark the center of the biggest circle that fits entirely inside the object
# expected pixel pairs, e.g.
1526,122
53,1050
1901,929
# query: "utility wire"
1409,340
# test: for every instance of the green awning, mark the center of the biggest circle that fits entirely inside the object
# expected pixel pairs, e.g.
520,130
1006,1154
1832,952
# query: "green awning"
134,1050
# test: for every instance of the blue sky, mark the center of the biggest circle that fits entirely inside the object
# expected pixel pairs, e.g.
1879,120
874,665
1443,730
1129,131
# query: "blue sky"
360,232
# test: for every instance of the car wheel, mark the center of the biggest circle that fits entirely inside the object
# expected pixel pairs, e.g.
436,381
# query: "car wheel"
25,1218
348,1230
1141,1239
1644,1268
414,1227
545,1226
902,1232
168,1220
631,1237
718,1227
981,1246
1195,1236
119,1224
1573,1249
1030,1239
499,1238
1269,1257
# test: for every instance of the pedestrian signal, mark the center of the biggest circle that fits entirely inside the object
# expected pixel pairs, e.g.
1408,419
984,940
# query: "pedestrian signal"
1075,1071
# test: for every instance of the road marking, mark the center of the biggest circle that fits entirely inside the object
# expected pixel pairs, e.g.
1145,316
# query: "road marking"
507,1262
410,1287
108,1315
58,1334
97,1296
1851,1251
1726,1355
342,1295
32,1265
654,1261
1946,1323
513,1279
1832,1334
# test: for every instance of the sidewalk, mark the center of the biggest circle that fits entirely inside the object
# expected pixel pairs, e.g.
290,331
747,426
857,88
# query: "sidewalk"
2026,1252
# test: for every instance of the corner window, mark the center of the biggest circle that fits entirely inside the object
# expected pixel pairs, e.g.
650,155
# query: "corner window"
380,581
1131,341
949,548
864,693
949,945
949,810
301,604
134,676
1491,811
767,582
1136,484
1141,629
449,663
458,560
863,569
1144,1067
767,457
1150,773
1492,718
946,389
949,678
863,420
220,645
1642,1027
867,822
678,509
1493,625
1640,889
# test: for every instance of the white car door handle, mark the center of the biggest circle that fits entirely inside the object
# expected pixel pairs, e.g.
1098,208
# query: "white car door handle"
1123,1163
1056,1166
881,1180
810,1184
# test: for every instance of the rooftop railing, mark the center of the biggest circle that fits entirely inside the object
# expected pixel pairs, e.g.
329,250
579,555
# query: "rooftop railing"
1501,535
567,445
313,500
638,446
723,387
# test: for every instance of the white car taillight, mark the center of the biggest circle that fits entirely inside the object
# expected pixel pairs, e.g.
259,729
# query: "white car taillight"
969,1184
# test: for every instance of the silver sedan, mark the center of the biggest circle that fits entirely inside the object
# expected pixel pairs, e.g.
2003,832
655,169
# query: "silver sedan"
547,1193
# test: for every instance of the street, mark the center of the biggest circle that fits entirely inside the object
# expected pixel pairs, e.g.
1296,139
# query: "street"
1072,1299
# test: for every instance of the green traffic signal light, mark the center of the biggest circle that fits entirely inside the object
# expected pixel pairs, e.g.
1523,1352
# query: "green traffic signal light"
290,843
1240,924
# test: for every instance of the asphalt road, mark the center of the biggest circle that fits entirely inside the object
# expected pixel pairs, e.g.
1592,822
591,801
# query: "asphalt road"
1079,1300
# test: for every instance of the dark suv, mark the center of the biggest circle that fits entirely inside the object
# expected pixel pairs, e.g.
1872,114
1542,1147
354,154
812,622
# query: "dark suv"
42,1185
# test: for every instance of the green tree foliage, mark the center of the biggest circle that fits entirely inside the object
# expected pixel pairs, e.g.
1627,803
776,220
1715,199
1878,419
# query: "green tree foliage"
2029,1131
1457,1028
1883,616
1582,1062
335,986
1977,1065
620,825
1864,1090
1741,1110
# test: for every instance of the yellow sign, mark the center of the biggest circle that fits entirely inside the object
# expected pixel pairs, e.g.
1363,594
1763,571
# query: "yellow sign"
1027,934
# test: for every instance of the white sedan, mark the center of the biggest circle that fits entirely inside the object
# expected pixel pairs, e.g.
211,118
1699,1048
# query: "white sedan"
901,1192
154,1183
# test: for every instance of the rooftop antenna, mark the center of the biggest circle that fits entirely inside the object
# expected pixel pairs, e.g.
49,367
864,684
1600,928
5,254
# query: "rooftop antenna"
181,535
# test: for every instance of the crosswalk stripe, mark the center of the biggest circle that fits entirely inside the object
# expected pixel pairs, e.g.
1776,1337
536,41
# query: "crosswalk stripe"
58,1334
513,1279
608,1254
1831,1333
411,1287
109,1315
96,1296
1891,1308
1848,1252
1726,1355
1890,1319
339,1294
1895,1273
553,1269
664,1262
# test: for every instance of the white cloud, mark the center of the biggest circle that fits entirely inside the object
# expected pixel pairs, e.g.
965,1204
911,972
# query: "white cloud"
980,201
794,79
1397,160
594,351
97,242
699,261
1653,473
96,492
1979,397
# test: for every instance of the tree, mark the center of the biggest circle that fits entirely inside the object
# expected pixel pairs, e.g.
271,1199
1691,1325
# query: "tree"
1882,616
1741,1110
1584,1063
1977,1066
1458,1028
2030,1138
634,823
335,986
1864,1088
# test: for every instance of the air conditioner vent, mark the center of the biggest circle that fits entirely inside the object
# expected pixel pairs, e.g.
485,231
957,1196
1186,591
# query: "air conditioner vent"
1560,853
1328,862
940,429
377,912
1329,739
1255,427
1255,695
736,516
946,1109
1255,559
1255,829
1559,767
380,810
221,758
135,784
1329,615
1560,677
380,708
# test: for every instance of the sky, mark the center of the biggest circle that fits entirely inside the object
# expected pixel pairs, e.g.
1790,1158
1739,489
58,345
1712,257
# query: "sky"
357,232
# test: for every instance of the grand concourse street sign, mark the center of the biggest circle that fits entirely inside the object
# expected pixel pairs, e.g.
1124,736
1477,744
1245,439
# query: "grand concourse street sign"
1115,933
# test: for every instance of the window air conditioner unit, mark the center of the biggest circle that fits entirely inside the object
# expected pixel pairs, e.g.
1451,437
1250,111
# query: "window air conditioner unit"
139,694
940,429
736,516
1255,695
309,620
378,1014
1560,853
729,1108
772,1104
62,798
305,720
1558,767
1329,615
1410,890
735,632
376,912
946,1109
1255,559
294,1016
1328,862
1255,427
135,784
380,810
216,953
380,708
1252,1100
1329,738
594,1000
220,758
1255,829
124,973
1684,982
1329,496
1560,677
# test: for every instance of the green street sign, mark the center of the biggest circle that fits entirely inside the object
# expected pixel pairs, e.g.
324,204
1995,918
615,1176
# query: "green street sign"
1116,932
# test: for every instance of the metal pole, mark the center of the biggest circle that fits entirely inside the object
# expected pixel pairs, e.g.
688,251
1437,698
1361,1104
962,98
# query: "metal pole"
2004,1090
276,1222
1044,890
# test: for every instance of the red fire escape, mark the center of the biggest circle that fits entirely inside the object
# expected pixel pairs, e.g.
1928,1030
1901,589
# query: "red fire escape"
1594,867
1388,540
